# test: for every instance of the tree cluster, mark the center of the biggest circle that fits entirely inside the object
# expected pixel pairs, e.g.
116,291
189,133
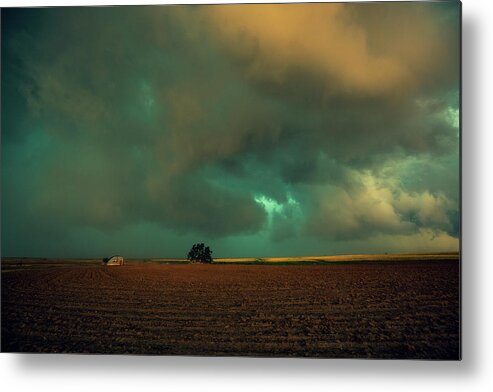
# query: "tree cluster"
200,254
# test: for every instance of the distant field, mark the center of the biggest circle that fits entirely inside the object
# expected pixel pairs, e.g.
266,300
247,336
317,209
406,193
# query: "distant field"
15,262
346,258
370,309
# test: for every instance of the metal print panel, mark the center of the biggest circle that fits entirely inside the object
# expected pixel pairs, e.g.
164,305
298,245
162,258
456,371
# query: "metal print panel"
238,180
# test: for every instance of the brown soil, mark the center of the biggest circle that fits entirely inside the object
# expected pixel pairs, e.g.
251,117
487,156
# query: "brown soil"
391,310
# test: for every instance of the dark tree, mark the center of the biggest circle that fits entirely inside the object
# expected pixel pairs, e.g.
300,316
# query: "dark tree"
200,254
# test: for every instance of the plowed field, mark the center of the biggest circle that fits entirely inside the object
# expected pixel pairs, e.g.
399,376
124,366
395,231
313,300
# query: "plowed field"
375,310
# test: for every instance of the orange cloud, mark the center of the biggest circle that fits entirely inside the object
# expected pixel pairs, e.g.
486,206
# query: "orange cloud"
332,41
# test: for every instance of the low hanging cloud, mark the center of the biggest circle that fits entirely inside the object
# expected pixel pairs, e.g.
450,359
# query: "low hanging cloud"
373,208
182,117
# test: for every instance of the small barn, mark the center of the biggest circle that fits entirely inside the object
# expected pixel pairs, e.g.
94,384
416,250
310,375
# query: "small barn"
113,260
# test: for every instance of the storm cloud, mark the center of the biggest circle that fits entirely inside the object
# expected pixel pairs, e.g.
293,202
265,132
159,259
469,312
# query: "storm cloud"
262,129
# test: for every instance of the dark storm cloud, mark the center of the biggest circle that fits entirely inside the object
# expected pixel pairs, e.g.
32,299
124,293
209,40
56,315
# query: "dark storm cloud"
301,120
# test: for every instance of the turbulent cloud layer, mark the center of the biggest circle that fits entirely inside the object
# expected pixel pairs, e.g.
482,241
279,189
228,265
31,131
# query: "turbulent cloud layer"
262,129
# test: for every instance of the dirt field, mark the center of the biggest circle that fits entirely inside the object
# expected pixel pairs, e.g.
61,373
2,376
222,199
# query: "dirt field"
363,310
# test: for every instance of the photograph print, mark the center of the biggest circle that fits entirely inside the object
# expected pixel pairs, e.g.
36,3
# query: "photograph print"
264,180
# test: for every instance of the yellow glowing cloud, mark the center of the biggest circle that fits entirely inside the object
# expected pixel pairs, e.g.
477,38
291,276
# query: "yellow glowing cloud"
327,40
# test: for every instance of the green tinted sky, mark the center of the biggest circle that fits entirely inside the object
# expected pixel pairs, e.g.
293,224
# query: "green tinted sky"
259,129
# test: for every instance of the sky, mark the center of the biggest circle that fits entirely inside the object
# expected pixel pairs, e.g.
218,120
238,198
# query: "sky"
261,130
